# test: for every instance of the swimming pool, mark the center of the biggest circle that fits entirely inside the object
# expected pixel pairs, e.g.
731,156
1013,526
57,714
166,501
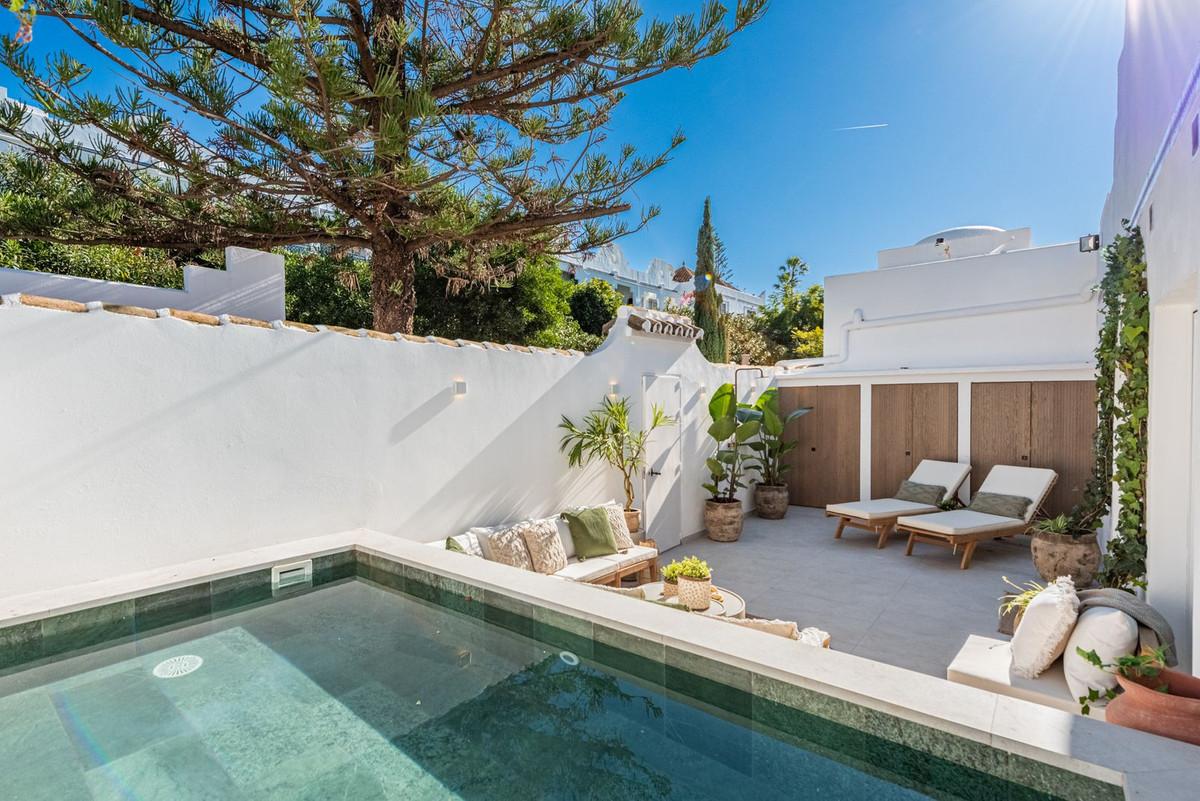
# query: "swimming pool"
371,687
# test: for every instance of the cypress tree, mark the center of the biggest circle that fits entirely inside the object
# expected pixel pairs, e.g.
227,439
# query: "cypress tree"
708,301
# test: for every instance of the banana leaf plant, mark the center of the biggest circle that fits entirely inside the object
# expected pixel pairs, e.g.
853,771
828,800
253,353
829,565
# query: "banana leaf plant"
771,445
734,430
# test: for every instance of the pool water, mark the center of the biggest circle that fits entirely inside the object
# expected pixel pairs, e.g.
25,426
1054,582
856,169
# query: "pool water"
356,692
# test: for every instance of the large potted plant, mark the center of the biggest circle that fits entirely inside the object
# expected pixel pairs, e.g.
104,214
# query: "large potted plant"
1066,545
607,436
771,491
1153,697
733,433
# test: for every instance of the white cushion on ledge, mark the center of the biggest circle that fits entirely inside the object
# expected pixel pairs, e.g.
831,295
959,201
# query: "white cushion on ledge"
986,663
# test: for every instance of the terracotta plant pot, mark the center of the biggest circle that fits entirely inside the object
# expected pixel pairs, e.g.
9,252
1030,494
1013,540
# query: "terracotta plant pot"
695,594
633,520
1174,714
771,501
723,519
670,590
1057,555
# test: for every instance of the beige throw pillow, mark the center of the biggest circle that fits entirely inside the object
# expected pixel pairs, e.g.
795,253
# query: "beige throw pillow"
545,548
508,547
616,516
1041,637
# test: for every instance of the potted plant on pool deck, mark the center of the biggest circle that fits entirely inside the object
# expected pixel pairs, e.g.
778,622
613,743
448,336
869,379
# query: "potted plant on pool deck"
670,577
771,491
733,430
1153,697
695,584
606,435
1066,545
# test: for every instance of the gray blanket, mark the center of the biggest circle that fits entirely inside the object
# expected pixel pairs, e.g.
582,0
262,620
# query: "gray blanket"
1145,614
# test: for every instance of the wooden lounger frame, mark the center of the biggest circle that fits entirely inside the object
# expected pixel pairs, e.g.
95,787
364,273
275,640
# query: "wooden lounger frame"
969,541
882,527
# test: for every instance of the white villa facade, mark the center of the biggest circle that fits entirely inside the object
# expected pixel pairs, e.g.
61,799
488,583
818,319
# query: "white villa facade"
653,288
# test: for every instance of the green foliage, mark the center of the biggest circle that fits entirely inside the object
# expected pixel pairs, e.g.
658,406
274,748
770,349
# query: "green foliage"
1124,349
323,289
1144,668
708,314
606,435
694,567
593,304
746,340
1021,595
102,262
771,446
394,128
733,431
788,327
671,572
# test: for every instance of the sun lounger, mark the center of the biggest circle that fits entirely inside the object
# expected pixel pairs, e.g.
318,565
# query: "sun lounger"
879,516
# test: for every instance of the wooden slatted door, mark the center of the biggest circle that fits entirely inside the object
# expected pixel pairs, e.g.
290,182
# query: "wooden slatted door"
826,460
910,422
1062,426
999,427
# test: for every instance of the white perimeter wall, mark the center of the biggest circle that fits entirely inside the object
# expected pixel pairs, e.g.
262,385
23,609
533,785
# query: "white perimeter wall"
251,285
1154,118
1027,307
135,443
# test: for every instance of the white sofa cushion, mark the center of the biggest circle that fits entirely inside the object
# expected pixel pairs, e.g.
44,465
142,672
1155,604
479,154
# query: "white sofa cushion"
1111,634
637,553
959,521
587,570
987,664
878,509
1045,628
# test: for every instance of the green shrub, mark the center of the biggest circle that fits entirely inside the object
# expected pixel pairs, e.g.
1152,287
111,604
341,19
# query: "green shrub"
593,304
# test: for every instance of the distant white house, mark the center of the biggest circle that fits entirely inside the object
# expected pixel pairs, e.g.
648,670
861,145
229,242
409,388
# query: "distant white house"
974,296
661,282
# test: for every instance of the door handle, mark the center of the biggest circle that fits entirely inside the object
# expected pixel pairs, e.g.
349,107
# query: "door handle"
655,473
814,450
1024,458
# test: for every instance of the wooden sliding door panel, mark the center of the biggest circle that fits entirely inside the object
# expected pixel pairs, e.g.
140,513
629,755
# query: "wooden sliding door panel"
1000,415
1062,426
891,437
824,465
934,422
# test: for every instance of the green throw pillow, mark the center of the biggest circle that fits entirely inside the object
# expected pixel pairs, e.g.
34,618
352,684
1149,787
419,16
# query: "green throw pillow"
911,491
591,532
993,503
452,545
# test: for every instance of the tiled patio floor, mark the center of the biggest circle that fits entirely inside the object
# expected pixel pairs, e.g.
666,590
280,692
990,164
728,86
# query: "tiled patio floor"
914,612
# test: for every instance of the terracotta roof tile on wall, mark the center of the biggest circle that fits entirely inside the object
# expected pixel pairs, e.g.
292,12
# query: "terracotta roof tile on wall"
199,318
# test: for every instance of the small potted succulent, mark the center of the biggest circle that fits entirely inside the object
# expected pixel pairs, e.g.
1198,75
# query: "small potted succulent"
771,491
695,584
1153,698
733,432
670,577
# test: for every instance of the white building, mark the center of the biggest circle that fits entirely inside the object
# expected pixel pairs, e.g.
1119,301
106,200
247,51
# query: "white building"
661,282
1156,185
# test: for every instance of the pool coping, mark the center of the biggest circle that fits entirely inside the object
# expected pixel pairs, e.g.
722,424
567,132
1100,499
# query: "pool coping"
1144,765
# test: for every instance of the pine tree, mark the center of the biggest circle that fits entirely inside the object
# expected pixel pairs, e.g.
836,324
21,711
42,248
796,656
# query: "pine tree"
708,301
398,127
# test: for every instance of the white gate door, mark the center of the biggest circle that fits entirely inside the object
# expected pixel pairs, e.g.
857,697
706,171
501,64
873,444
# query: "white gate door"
662,508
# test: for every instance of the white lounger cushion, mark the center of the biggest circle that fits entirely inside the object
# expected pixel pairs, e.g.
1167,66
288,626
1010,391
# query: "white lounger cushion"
959,521
1033,483
950,475
986,663
879,508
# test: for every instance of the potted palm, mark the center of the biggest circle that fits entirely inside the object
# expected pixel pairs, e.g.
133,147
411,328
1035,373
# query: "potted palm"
607,436
733,432
771,491
695,584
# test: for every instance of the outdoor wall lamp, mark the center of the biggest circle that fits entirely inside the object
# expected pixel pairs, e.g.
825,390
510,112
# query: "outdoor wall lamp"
614,389
460,387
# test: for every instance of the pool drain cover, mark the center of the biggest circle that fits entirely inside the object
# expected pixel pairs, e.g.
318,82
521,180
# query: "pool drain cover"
177,666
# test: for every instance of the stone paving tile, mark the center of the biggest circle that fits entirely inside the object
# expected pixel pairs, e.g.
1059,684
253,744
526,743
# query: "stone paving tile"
914,612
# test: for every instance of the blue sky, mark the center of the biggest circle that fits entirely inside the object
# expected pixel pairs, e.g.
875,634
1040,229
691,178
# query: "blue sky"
999,112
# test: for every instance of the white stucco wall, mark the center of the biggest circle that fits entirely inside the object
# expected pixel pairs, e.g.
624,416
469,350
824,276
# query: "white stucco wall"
137,443
1025,307
251,285
1156,184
